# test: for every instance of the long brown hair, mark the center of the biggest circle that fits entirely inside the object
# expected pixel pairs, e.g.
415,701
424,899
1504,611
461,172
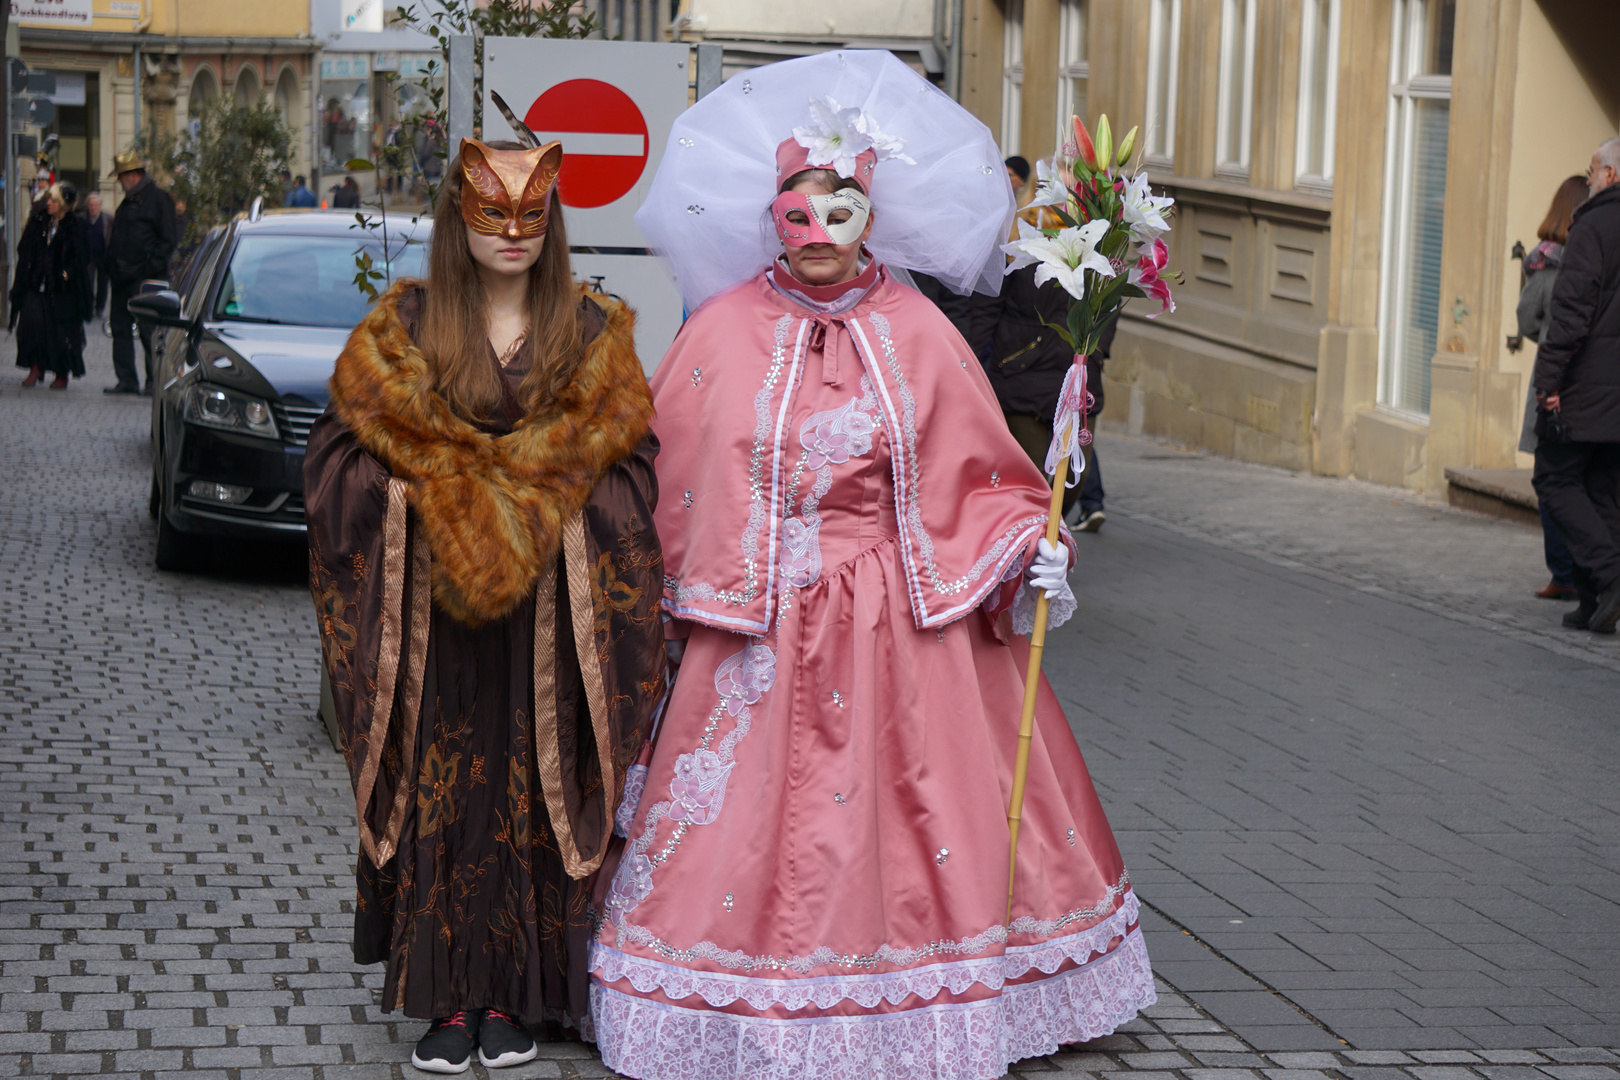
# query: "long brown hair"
1561,214
454,331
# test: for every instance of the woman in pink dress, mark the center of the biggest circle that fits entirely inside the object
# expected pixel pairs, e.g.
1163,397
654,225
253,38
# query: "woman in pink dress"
813,880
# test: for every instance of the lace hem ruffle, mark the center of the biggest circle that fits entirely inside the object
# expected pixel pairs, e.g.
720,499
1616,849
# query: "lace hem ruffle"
866,989
1058,611
971,1041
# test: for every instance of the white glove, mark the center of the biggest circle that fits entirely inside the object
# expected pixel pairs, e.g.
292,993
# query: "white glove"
675,648
1049,570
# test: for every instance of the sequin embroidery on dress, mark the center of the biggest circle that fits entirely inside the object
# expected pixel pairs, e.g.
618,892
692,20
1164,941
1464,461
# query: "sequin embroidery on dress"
827,438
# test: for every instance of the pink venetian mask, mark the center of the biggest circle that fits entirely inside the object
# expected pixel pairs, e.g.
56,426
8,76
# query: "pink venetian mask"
839,218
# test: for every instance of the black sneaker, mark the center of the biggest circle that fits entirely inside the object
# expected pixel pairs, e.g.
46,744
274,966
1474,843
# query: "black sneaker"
448,1045
503,1041
1581,619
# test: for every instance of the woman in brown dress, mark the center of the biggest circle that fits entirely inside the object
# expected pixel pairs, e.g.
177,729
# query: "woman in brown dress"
480,494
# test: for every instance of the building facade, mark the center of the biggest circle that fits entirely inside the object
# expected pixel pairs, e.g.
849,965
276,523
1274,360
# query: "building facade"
1352,177
125,67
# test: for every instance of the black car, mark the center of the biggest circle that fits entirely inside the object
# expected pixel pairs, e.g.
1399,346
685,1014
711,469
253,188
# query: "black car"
244,345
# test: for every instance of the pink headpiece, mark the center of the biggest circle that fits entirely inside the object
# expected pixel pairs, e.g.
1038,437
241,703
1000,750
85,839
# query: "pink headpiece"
793,158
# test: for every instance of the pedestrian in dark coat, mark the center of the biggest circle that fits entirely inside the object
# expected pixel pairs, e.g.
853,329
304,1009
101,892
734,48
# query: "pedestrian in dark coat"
1577,381
98,224
1026,361
143,237
50,294
1540,271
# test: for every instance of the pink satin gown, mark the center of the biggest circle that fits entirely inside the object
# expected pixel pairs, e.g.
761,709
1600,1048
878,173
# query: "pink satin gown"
814,884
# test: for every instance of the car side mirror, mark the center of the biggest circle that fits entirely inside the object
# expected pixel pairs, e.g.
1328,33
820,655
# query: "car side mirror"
161,307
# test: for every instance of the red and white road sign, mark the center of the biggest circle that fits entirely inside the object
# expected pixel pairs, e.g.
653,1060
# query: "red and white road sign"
604,139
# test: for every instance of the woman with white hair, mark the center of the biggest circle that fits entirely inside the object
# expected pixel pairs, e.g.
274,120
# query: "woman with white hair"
51,293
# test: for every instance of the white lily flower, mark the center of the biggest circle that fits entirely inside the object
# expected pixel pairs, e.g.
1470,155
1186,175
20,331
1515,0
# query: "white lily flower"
1020,257
1049,187
836,137
1143,210
1066,257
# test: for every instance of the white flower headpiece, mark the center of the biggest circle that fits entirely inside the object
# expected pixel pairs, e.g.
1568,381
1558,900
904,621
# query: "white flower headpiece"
836,137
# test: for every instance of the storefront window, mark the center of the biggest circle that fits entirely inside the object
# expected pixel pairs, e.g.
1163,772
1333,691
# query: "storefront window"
345,109
1414,199
77,127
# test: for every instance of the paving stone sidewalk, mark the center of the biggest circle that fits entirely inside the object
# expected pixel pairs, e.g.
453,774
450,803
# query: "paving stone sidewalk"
176,834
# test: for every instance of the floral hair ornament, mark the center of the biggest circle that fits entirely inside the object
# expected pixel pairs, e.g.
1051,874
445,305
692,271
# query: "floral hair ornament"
508,192
848,141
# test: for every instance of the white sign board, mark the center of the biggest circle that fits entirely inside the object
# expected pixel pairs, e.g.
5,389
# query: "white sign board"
641,282
51,12
610,102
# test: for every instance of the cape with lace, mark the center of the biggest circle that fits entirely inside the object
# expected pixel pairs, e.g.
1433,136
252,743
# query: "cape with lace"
812,884
486,594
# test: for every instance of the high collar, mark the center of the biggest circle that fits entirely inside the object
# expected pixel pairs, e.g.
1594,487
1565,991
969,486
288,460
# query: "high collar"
825,299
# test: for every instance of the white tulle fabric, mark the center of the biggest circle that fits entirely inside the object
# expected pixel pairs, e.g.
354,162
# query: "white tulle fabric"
973,1040
707,212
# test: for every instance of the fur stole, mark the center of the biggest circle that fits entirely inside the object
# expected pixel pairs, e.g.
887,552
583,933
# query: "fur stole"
492,507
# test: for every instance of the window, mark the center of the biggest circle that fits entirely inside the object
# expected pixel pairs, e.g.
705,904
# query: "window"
305,280
1414,199
1073,68
1164,57
1234,101
1012,77
1318,95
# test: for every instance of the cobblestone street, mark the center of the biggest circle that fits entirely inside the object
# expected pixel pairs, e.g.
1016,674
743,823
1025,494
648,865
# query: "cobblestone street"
1364,783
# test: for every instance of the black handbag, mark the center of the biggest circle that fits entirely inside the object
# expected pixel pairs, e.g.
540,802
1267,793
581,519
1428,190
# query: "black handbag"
1551,427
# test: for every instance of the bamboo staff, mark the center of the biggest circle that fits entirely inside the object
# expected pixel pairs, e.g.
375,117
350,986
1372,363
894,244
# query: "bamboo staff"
1037,641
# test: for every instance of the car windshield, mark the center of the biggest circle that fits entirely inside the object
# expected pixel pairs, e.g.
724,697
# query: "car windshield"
306,280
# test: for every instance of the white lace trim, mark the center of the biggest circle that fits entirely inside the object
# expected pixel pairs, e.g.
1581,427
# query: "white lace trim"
970,1041
1058,610
866,989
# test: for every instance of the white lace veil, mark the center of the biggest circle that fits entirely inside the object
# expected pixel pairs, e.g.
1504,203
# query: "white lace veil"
707,212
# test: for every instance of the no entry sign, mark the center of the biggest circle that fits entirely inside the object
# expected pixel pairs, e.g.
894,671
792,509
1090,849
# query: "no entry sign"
610,102
604,139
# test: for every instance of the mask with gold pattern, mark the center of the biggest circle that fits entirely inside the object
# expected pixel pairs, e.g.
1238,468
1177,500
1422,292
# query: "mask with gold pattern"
508,192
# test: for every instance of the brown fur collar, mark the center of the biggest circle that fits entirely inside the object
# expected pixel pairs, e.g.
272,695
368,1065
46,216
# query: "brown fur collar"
493,508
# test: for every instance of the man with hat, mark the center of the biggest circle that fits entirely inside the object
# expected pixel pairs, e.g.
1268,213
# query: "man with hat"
143,238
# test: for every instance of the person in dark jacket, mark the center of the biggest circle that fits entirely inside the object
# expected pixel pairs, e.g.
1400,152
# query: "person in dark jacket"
98,225
346,196
1577,381
143,238
1540,270
50,294
1026,361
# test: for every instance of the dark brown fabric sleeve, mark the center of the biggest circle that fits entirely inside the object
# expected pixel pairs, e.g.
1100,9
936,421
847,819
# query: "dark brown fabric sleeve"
346,507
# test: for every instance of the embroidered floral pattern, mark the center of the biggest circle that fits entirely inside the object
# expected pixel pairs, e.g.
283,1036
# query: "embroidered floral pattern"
635,784
609,593
435,791
698,788
337,635
517,801
827,438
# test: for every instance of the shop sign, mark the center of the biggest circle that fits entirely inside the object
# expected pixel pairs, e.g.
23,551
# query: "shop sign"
363,16
51,12
409,65
345,66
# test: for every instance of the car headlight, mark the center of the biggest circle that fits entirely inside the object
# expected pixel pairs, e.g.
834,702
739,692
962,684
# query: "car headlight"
216,408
